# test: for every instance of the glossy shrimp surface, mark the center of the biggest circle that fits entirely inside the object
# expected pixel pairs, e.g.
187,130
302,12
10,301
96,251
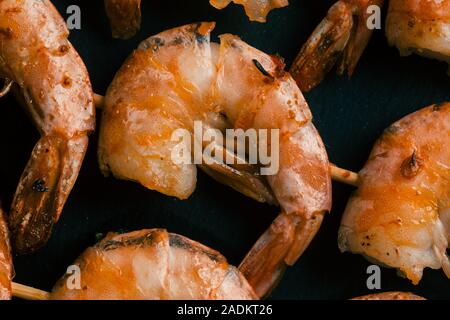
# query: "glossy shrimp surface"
400,215
256,10
420,26
391,296
52,83
339,39
154,265
179,76
124,16
5,260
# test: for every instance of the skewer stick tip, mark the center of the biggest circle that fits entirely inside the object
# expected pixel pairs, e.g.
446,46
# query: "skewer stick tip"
25,292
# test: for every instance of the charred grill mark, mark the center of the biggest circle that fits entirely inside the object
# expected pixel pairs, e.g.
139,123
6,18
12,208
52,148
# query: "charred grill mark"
153,43
177,41
438,106
261,69
146,240
326,43
39,186
411,166
179,242
392,129
6,32
200,36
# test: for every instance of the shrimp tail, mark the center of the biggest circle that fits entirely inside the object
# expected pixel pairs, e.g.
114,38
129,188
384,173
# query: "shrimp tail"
280,246
43,189
340,39
7,85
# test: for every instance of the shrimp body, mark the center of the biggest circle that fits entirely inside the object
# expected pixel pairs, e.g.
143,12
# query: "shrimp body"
391,296
5,260
154,265
256,10
420,26
178,77
124,16
339,39
400,215
52,83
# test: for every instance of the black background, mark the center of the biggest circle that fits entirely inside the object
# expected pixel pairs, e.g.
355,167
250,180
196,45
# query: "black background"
350,115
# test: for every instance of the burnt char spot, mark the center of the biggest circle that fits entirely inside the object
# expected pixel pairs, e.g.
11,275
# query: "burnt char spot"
6,32
261,69
199,37
411,166
39,186
392,129
326,43
153,43
146,240
280,65
67,82
62,50
178,40
438,106
179,242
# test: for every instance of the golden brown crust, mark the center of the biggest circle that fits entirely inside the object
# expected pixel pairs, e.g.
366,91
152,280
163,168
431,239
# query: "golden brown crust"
153,264
391,296
54,86
256,10
399,214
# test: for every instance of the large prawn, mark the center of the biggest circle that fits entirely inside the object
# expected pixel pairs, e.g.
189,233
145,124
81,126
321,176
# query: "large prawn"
400,215
420,26
6,269
52,83
154,265
178,77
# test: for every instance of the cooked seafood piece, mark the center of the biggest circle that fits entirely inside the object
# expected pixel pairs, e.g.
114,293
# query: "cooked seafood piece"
414,26
153,265
420,26
391,296
400,215
178,77
340,39
52,83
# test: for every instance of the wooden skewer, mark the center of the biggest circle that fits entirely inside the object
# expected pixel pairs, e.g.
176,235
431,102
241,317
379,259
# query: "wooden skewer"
28,293
99,101
345,176
338,174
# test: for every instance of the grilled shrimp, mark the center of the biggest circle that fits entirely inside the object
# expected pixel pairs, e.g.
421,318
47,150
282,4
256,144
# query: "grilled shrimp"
400,215
390,296
340,38
53,85
124,16
178,77
154,265
5,260
420,26
256,10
